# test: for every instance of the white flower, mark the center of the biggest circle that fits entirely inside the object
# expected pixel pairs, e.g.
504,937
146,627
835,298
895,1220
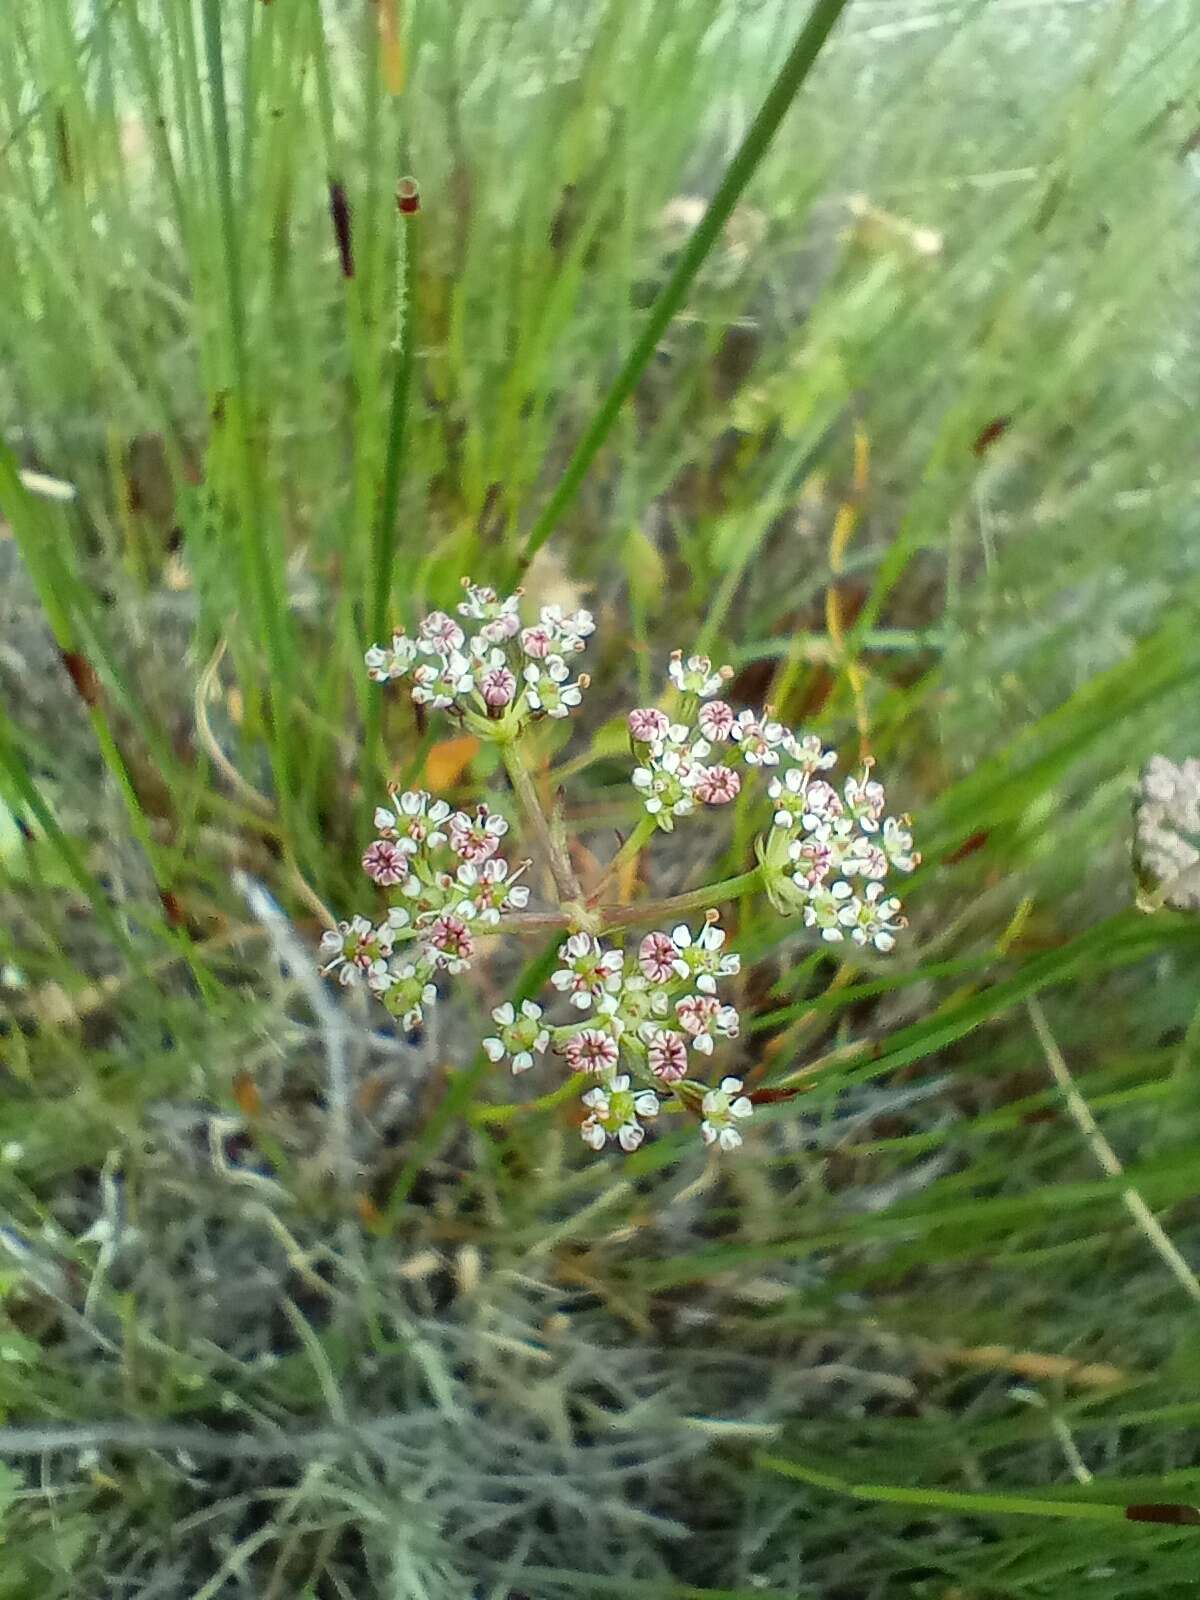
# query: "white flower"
414,821
519,1036
614,1112
481,601
440,686
638,1005
827,908
822,804
568,631
723,1108
476,838
865,800
790,796
489,891
547,689
408,992
667,781
809,754
696,675
499,617
897,844
352,948
873,919
865,858
814,859
702,956
439,635
588,971
701,1016
759,740
385,662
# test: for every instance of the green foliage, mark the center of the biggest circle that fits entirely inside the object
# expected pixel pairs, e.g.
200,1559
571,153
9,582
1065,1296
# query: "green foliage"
915,454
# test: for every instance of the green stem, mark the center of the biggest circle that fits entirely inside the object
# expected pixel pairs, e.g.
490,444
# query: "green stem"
547,1102
678,905
556,857
674,292
713,894
530,922
383,551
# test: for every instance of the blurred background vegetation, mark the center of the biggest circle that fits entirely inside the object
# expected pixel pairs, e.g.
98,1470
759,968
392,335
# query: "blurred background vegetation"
917,456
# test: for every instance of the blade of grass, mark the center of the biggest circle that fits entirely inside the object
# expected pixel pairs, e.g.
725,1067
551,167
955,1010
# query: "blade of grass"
783,91
1000,1505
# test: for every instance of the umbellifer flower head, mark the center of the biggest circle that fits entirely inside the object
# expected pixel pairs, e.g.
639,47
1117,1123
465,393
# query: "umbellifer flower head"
656,1008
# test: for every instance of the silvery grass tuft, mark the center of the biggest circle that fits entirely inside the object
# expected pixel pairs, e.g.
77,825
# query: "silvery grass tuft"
635,1018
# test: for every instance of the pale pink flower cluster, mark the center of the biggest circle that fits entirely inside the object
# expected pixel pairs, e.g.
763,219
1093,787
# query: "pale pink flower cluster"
829,851
651,1010
484,666
452,886
696,758
639,1019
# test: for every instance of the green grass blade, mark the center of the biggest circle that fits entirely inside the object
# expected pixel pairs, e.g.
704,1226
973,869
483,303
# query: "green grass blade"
787,85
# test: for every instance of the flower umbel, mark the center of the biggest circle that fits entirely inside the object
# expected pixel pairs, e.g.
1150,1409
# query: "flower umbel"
656,1007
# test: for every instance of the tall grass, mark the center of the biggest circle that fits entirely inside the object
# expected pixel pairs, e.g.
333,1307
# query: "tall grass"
914,452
